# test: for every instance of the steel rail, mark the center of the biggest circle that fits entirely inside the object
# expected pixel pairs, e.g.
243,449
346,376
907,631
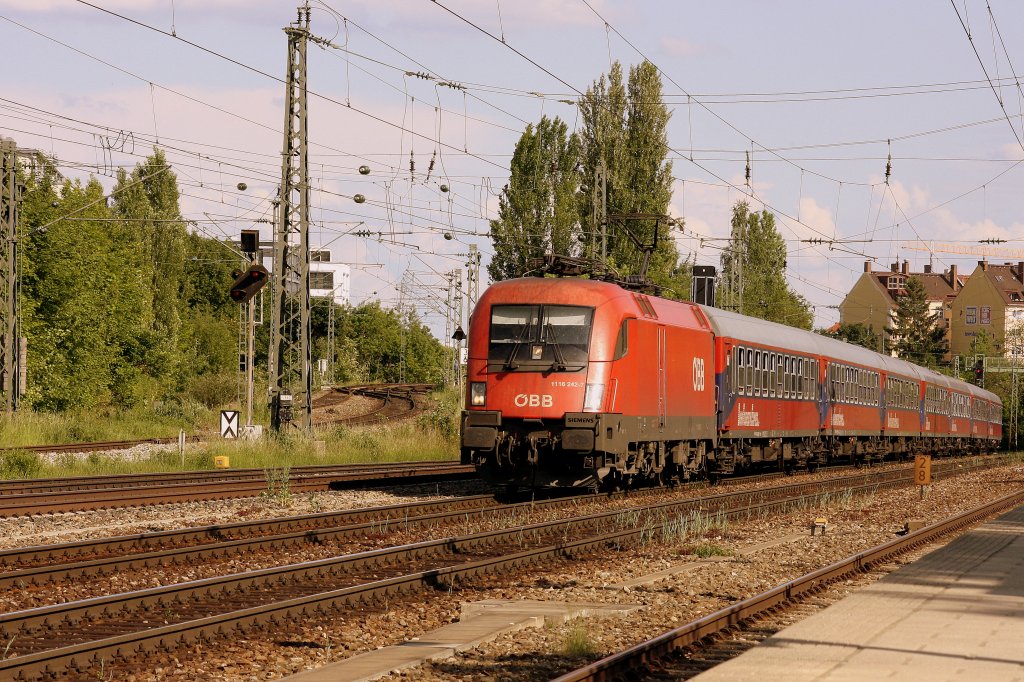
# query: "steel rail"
622,664
93,557
102,498
29,485
23,628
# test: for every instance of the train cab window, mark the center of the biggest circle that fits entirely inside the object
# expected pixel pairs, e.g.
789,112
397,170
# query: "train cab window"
540,338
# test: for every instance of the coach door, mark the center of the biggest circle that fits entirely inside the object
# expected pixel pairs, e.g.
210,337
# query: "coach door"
662,376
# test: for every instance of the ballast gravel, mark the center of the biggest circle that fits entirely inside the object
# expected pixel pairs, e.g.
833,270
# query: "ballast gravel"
535,654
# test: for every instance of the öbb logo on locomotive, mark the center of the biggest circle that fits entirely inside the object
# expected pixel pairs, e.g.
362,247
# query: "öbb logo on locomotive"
585,383
533,400
698,374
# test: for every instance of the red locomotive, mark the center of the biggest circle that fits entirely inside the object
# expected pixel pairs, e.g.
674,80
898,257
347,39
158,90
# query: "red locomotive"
579,383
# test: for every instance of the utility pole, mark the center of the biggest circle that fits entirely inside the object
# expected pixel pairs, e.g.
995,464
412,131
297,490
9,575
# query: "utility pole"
332,352
472,279
602,187
403,319
12,347
291,376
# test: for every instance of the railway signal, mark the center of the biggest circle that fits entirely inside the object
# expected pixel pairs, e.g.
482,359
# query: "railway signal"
248,282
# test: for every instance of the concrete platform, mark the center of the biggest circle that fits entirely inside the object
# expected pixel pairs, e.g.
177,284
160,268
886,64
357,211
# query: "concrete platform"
480,622
956,614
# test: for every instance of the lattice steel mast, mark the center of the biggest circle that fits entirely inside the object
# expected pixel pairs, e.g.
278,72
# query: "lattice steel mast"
291,377
10,199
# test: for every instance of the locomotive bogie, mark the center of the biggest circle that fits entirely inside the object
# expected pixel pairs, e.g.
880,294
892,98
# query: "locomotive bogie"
581,383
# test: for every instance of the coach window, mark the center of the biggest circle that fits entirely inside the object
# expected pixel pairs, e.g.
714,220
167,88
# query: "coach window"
801,385
765,379
737,370
755,382
757,372
779,374
751,372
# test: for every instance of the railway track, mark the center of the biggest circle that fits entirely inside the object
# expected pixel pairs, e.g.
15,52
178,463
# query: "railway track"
388,402
664,656
42,564
78,635
44,496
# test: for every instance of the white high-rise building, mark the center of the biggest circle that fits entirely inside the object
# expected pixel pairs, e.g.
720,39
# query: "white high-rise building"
328,279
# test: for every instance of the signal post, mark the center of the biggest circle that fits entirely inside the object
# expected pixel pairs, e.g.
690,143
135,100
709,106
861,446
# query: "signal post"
245,287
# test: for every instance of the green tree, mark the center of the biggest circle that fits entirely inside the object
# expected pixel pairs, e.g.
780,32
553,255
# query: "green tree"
71,306
753,277
625,133
917,334
537,208
148,200
373,343
858,334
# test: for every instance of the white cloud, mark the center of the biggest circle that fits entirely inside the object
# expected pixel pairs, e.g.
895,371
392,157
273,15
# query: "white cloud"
680,47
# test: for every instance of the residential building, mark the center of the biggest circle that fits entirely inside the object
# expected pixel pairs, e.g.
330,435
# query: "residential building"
992,301
872,300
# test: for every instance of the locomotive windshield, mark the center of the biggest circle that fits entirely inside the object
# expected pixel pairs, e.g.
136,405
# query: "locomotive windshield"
539,338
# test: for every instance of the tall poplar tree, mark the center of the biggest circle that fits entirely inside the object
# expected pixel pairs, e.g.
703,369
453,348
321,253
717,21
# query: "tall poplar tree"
753,277
537,209
917,334
148,200
625,134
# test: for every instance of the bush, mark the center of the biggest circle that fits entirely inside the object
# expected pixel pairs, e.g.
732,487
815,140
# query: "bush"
444,414
214,390
20,464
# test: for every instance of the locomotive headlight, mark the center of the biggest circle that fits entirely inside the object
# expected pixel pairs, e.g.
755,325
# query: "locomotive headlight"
593,398
477,393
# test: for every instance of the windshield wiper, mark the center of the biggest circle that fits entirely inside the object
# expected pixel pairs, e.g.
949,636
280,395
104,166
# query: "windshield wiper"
559,364
510,364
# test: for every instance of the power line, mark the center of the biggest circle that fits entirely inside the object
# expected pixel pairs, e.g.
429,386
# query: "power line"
281,80
984,70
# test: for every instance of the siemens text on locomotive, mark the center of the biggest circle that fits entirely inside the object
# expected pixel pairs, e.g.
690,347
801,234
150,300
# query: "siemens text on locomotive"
576,382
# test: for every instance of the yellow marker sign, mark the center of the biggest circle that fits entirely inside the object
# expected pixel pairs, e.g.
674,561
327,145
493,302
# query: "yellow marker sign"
923,469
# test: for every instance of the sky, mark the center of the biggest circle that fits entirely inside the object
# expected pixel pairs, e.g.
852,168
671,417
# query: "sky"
819,95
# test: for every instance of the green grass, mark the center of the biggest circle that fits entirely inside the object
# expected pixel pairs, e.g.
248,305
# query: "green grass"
376,444
705,550
40,428
434,435
577,642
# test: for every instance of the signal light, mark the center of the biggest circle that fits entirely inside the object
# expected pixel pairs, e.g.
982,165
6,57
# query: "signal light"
249,282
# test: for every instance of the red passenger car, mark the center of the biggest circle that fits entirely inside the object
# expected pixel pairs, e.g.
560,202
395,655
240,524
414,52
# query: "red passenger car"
577,382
